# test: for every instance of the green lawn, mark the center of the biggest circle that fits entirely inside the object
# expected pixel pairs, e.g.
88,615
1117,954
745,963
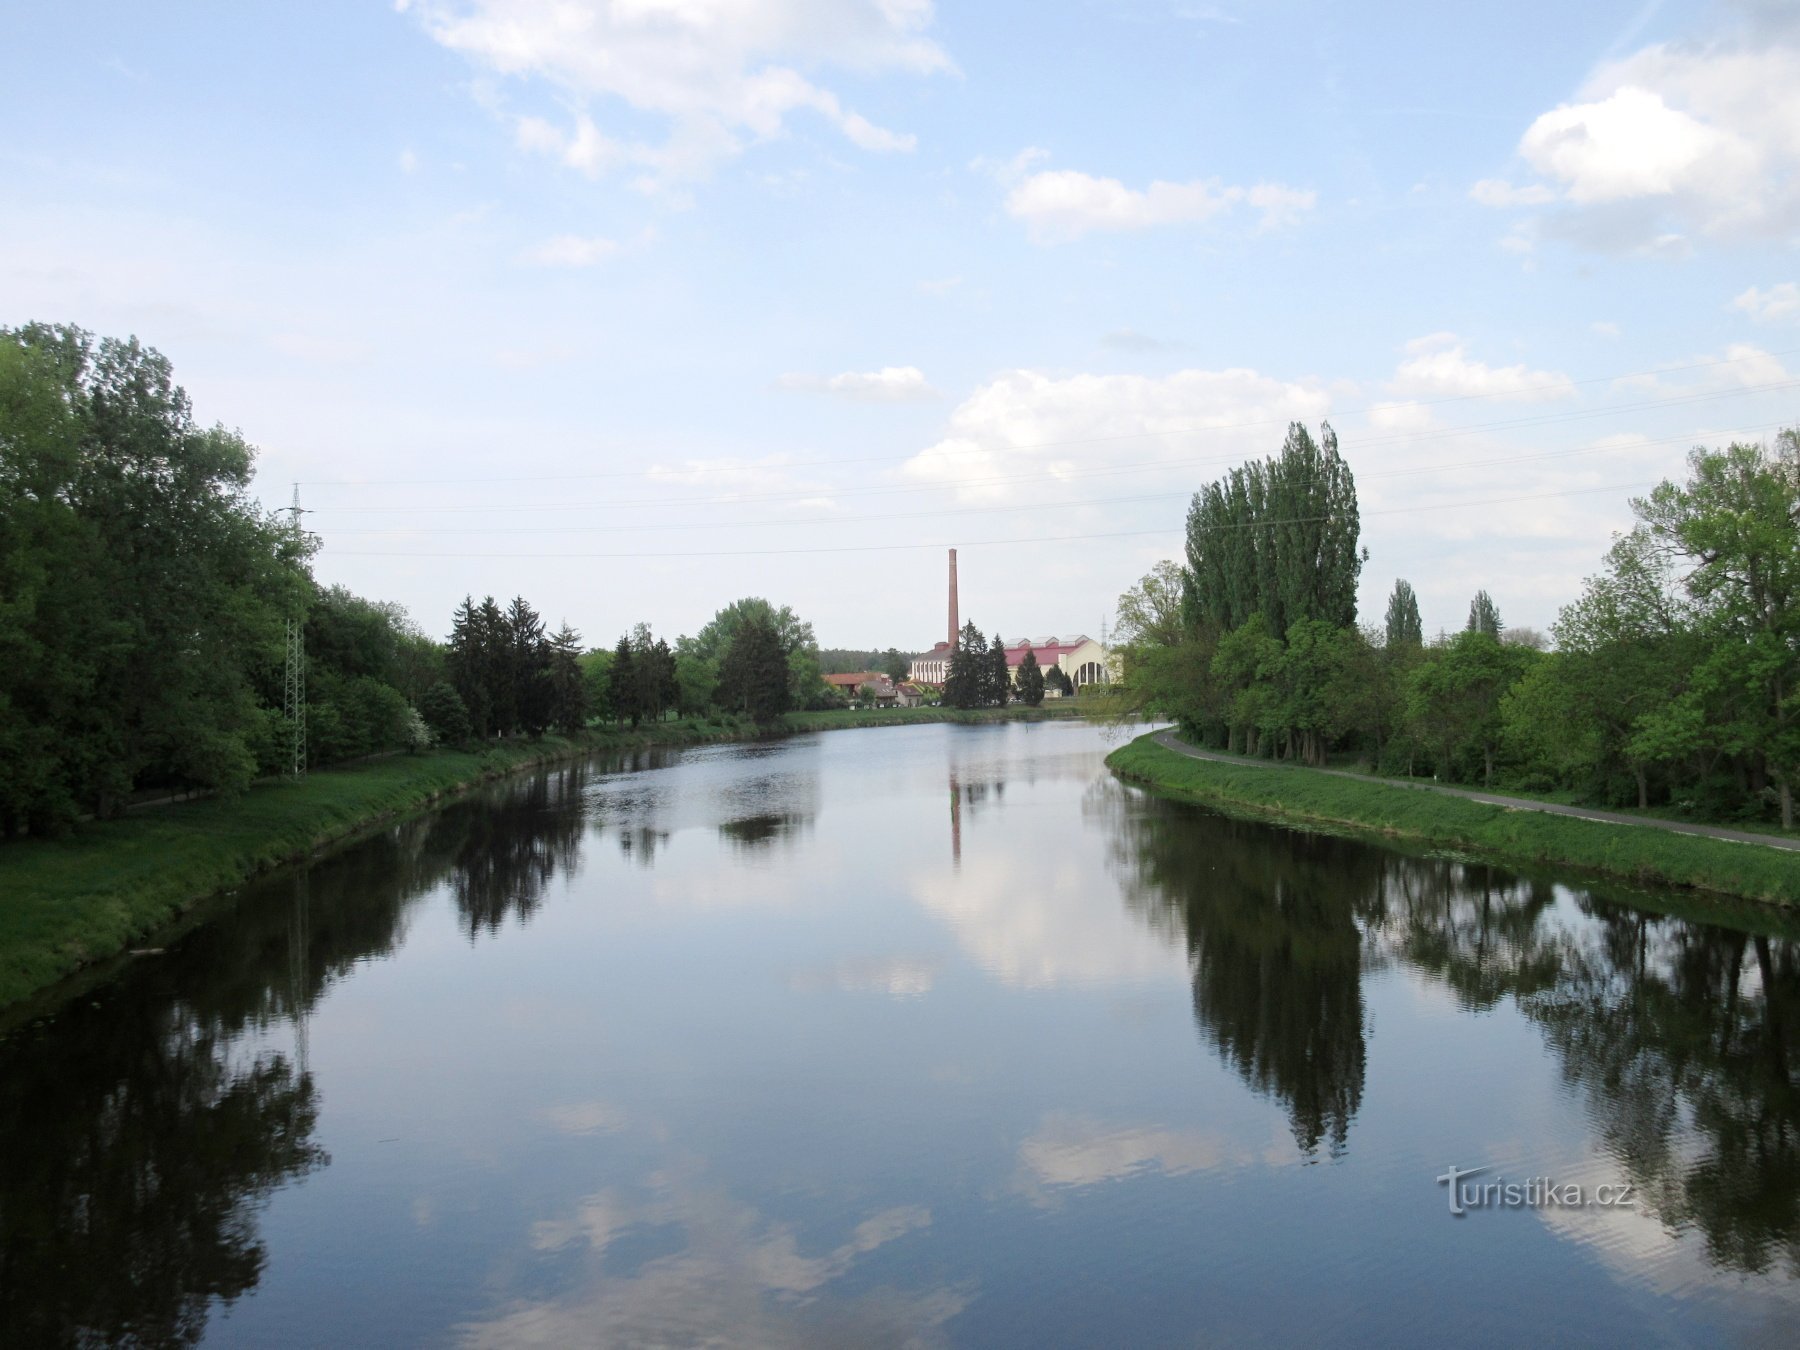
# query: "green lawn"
1640,854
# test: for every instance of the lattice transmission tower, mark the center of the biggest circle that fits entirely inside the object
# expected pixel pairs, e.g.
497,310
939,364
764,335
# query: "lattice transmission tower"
294,695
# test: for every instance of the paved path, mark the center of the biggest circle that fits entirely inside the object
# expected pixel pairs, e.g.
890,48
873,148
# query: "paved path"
1169,740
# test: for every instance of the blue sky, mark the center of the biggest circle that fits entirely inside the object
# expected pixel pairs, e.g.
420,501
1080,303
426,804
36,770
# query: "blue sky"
637,306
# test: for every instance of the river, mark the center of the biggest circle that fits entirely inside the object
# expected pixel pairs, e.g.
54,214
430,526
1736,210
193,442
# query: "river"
911,1036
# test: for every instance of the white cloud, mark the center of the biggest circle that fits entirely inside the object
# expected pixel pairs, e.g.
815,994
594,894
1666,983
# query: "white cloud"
721,73
1498,192
1026,422
1674,140
1605,328
572,250
1437,366
1072,1151
1059,205
890,384
409,162
1778,302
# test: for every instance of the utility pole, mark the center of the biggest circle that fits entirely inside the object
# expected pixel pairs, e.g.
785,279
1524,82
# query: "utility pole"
294,697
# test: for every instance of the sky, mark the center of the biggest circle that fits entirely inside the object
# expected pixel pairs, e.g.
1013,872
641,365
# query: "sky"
635,307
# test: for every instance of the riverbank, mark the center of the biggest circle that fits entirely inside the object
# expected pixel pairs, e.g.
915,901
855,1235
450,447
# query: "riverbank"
68,903
1643,853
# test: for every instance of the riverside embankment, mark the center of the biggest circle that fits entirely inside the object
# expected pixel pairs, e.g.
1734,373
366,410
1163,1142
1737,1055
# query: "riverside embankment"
1639,849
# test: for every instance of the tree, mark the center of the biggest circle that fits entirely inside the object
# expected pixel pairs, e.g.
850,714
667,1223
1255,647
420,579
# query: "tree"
1484,616
527,664
894,665
1150,612
567,684
806,686
1403,626
1030,680
443,711
144,591
1736,522
1456,697
754,676
1055,677
965,683
1278,539
695,681
622,684
998,685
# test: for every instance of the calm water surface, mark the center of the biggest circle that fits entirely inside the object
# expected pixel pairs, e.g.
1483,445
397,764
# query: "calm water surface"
903,1036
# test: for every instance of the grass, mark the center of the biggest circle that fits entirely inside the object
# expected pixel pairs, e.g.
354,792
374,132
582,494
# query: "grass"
1640,854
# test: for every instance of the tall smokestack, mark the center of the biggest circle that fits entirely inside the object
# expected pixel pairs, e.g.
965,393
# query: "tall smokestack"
955,626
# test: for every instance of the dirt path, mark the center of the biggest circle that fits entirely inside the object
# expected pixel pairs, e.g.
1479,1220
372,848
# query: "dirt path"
1168,740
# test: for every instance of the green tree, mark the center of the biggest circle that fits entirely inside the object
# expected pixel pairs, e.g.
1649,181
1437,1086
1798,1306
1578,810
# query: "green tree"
1030,680
998,685
1484,616
567,686
895,665
1150,612
443,711
1456,697
965,683
695,680
754,676
1736,524
622,684
1403,626
144,587
1279,538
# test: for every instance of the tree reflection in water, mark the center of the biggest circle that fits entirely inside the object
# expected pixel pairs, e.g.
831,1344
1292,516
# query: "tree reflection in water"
1682,1036
142,1130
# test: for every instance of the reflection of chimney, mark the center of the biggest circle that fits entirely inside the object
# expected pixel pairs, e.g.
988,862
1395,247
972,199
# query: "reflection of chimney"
955,626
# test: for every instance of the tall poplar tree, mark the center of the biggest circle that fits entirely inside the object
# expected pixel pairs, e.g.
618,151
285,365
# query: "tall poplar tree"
1404,628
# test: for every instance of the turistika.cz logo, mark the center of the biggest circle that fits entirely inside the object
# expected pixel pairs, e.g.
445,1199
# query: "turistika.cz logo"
1532,1193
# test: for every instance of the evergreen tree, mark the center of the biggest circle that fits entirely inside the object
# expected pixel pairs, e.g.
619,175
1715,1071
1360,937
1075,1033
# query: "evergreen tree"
568,688
999,675
1403,626
1030,680
622,684
965,683
527,664
1484,616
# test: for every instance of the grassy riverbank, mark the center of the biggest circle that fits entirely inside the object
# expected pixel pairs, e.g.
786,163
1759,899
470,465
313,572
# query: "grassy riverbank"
65,903
1640,854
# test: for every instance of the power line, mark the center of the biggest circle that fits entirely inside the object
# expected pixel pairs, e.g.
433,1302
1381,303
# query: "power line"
1179,493
1514,392
979,543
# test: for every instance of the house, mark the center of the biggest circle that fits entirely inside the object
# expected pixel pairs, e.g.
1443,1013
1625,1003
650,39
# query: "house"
869,686
912,695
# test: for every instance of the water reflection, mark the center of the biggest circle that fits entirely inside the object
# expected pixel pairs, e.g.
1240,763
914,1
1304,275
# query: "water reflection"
1682,1037
143,1130
1275,950
728,1045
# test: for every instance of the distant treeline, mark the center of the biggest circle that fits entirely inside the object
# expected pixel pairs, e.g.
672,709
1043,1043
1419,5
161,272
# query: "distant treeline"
1673,679
145,598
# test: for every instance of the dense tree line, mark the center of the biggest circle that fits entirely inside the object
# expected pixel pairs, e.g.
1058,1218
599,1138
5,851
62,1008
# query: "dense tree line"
146,598
1674,678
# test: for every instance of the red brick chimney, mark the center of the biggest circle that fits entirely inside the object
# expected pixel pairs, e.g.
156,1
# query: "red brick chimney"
955,626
